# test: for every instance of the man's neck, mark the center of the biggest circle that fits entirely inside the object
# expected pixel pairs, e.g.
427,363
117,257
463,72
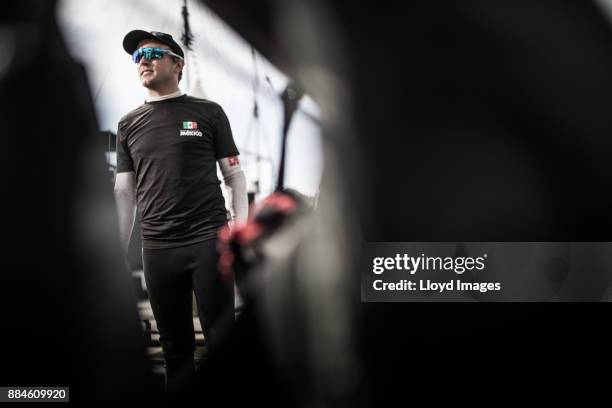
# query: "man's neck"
162,89
157,97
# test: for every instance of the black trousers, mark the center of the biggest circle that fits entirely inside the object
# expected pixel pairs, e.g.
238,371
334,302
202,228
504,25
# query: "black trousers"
171,275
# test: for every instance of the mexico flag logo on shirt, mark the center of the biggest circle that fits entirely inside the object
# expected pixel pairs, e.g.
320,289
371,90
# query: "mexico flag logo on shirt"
190,129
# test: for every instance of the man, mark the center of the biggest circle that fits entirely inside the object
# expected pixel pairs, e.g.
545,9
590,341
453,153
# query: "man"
167,151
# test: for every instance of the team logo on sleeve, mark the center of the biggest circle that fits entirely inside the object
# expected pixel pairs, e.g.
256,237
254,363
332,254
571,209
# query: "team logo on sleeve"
190,129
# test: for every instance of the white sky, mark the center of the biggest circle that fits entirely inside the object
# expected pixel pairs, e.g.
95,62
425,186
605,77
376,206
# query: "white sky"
222,61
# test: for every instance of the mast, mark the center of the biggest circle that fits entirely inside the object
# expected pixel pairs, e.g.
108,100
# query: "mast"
187,40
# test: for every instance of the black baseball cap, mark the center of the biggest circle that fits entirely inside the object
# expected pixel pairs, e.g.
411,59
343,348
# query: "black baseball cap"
133,38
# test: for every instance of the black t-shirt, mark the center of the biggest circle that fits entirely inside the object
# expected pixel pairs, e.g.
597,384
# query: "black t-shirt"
172,146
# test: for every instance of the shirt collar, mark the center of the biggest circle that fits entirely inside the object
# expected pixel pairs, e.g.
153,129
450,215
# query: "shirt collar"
163,97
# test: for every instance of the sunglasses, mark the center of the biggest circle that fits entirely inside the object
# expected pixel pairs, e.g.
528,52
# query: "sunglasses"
151,53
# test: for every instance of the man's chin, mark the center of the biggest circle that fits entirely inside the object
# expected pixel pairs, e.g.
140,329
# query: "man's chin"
148,82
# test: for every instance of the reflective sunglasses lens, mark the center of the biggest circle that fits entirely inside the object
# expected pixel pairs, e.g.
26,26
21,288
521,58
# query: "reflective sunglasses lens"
157,53
136,56
148,53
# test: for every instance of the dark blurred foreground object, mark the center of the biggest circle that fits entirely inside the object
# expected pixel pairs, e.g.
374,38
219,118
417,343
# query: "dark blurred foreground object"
242,249
68,313
442,121
478,120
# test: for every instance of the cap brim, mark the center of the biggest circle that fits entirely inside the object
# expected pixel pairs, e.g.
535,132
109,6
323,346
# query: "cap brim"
133,38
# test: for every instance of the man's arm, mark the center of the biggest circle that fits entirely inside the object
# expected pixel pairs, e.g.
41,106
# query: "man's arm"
125,198
234,179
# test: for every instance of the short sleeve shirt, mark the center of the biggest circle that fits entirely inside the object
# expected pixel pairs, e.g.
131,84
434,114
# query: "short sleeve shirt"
173,145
